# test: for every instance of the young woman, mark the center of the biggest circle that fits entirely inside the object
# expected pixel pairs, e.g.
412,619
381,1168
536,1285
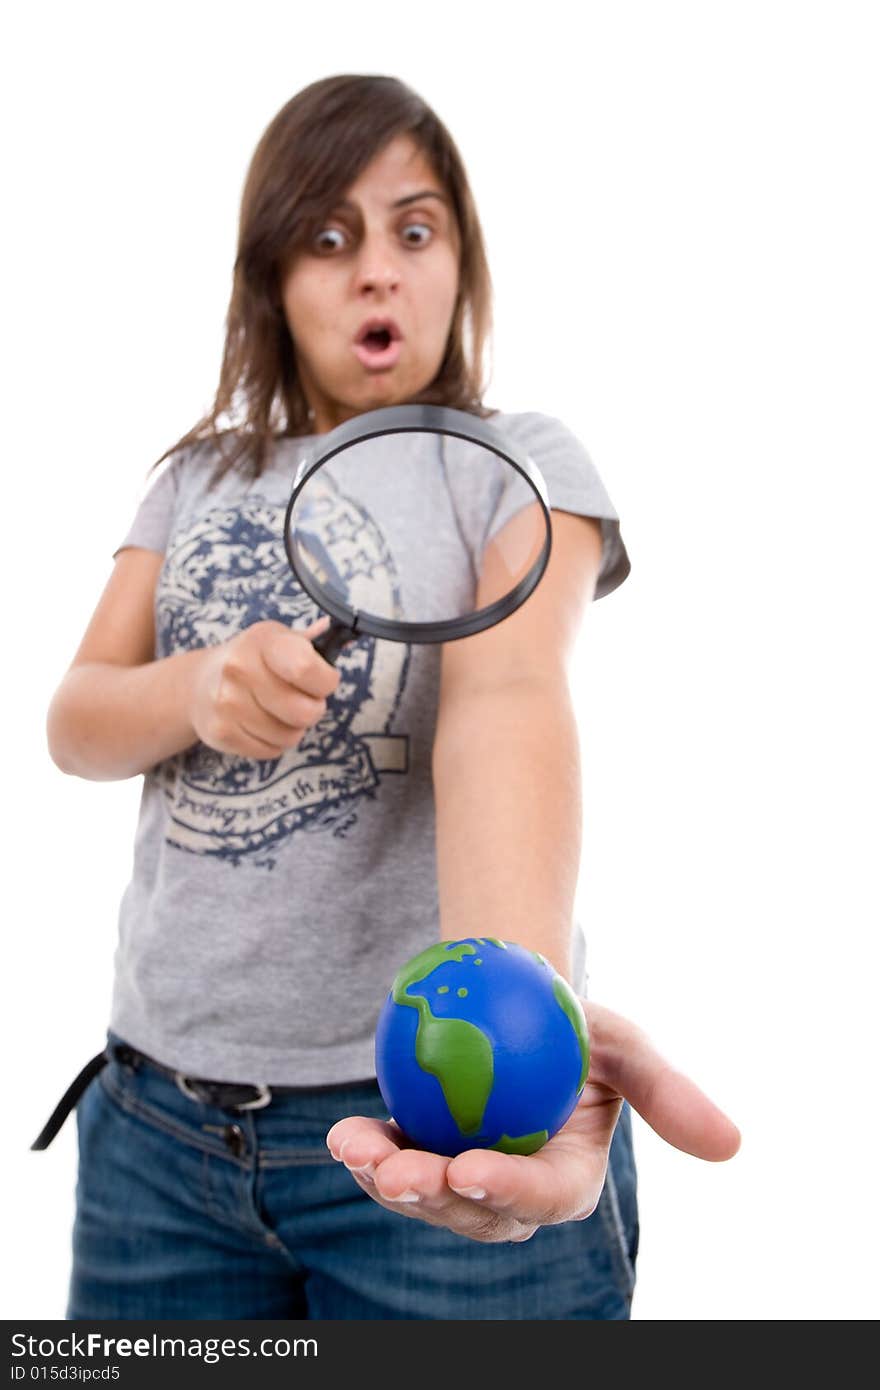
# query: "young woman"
235,1157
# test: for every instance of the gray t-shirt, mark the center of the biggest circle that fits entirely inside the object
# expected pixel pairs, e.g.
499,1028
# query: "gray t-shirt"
271,903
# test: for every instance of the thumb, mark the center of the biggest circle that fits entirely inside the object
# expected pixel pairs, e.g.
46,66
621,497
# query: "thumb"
317,627
626,1061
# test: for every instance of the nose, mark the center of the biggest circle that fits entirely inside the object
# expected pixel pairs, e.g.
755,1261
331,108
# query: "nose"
378,266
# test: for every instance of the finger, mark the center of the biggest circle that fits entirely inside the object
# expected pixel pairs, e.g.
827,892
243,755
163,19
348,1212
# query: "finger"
624,1059
412,1181
414,1176
561,1182
367,1141
242,743
283,708
263,728
368,1147
371,1151
297,663
251,745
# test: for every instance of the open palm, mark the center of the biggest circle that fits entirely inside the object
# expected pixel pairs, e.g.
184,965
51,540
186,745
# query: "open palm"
492,1196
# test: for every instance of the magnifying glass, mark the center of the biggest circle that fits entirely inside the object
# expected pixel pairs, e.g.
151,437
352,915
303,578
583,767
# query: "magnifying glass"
424,476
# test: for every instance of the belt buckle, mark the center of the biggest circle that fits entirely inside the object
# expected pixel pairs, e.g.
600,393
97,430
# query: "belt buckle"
262,1098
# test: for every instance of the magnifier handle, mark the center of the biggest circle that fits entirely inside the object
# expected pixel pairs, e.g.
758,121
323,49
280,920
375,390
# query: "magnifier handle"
331,642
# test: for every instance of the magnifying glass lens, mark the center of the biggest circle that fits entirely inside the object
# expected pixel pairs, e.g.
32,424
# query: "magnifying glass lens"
464,525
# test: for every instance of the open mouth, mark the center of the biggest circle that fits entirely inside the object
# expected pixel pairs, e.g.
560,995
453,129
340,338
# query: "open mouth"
377,339
379,348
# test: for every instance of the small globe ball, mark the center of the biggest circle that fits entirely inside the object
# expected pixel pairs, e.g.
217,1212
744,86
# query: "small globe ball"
481,1044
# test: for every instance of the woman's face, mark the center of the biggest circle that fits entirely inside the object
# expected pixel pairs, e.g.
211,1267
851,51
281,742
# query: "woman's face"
388,251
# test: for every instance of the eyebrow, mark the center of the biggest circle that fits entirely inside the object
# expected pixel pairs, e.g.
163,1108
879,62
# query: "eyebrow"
402,202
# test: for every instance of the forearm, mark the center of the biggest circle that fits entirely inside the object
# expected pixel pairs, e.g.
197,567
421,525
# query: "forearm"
507,788
109,722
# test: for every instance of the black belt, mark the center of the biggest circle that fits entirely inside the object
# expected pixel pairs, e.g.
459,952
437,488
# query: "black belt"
228,1095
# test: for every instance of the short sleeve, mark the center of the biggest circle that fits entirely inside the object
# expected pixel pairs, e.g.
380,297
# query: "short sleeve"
573,485
151,526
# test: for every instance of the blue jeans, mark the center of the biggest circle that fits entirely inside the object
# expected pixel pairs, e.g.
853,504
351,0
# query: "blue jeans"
185,1210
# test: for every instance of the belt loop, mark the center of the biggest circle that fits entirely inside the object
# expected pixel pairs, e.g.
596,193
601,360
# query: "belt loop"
183,1085
263,1098
186,1083
126,1057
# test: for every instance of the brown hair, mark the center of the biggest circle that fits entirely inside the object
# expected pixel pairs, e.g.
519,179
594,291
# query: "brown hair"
309,154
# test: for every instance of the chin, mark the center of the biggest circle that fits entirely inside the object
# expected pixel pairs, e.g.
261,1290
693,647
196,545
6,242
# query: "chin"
382,389
385,392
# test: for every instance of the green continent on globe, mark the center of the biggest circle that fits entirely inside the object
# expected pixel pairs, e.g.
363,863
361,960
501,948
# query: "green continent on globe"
523,1144
571,1007
453,1050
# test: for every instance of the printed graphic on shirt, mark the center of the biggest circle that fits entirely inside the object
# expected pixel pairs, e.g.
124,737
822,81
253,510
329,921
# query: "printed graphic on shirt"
225,571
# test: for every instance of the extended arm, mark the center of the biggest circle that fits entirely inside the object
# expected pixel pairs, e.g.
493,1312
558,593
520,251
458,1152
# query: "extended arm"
508,833
506,762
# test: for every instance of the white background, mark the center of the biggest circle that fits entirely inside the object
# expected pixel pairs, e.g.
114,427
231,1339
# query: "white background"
681,207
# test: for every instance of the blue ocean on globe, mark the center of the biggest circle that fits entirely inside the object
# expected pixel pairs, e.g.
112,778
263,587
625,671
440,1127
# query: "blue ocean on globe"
481,1044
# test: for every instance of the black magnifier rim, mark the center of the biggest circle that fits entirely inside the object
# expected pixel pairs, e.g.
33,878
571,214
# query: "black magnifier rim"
411,419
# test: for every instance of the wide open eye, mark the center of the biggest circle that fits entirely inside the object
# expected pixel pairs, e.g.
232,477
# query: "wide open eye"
417,227
320,240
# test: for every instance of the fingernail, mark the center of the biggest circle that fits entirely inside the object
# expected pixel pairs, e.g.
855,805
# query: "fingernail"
365,1171
476,1194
